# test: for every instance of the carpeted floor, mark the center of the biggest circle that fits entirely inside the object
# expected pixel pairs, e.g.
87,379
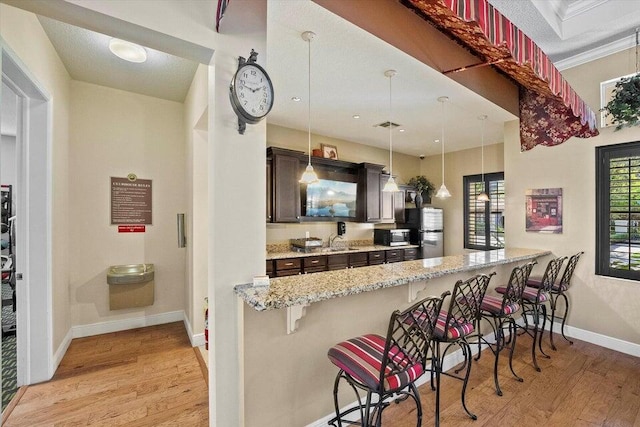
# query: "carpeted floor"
9,385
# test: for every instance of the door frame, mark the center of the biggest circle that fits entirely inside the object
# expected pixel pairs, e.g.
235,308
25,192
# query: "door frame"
34,311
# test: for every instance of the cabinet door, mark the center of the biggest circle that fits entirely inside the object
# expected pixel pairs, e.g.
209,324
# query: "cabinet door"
398,206
358,259
337,262
376,257
410,254
373,213
286,189
269,190
395,255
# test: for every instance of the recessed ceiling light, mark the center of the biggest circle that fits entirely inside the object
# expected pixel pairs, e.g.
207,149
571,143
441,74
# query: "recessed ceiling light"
437,141
400,130
356,116
128,51
295,99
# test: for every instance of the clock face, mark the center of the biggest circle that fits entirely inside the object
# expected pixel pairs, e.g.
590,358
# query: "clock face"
252,93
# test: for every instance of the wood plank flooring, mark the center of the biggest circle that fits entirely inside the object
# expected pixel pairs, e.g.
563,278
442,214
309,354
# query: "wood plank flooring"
141,377
580,385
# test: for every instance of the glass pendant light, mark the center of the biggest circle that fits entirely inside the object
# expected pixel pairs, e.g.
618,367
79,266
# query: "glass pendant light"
309,176
483,197
443,193
391,183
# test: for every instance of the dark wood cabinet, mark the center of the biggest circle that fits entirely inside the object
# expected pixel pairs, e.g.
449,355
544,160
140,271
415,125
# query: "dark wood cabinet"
369,206
288,267
314,264
337,261
394,255
269,268
410,254
269,191
285,201
376,257
358,259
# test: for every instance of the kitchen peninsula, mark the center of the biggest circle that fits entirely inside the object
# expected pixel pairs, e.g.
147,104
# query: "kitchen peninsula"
336,305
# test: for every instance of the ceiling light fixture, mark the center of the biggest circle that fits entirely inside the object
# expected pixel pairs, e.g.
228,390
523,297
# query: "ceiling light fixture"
128,51
483,197
309,176
443,193
391,183
356,116
400,130
295,99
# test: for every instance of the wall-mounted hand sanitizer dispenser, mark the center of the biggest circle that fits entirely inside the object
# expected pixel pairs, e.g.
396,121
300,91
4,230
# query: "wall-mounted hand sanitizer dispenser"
342,228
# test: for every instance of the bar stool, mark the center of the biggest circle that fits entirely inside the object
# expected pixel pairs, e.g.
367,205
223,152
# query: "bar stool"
453,327
499,313
533,303
558,290
386,366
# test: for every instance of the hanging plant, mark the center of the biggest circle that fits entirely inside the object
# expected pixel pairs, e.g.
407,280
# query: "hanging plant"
624,107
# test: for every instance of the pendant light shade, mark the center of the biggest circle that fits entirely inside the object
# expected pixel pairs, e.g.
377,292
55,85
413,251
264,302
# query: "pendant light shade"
443,192
309,176
391,183
483,197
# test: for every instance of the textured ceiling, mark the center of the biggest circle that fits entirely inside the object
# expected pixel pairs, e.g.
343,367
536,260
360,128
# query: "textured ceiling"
87,58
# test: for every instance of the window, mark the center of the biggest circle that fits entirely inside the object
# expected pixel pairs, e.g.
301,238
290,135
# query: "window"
618,210
484,221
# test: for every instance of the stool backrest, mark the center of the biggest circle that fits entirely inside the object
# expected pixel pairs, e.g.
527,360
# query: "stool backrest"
551,274
516,285
466,300
408,336
565,281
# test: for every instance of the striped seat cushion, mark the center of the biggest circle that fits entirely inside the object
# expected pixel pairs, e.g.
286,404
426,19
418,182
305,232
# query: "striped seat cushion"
361,358
536,281
493,305
529,294
456,329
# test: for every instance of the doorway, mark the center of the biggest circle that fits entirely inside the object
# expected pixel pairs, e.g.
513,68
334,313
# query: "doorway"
30,215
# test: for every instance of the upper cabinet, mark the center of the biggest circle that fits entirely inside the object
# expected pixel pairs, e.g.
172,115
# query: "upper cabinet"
285,193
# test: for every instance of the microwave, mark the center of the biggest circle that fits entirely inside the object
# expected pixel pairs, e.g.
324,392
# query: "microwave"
393,237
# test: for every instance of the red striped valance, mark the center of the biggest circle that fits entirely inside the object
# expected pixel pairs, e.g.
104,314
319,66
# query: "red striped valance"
490,35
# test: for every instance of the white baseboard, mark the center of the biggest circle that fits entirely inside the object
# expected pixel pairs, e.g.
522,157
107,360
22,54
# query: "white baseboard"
125,324
197,340
60,352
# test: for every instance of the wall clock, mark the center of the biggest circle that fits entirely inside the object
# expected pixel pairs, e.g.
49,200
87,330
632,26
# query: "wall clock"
250,92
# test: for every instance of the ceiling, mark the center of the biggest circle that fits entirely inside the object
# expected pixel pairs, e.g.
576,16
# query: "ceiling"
348,67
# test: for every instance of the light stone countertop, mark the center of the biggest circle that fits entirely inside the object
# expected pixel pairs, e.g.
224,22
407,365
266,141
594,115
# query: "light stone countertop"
305,289
326,251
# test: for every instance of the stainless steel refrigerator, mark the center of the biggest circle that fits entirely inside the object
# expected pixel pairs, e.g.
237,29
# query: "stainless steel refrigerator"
426,225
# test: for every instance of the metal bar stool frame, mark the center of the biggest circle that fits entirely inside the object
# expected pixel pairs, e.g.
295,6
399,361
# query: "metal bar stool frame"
557,292
407,344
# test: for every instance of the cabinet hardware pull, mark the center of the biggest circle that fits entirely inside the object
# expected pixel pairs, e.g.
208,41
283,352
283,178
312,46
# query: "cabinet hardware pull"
314,261
288,263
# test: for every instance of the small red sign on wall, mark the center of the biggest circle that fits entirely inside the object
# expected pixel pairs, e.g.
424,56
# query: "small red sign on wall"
131,229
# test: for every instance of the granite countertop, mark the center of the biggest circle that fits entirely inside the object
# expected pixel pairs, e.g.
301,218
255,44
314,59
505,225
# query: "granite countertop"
305,289
325,251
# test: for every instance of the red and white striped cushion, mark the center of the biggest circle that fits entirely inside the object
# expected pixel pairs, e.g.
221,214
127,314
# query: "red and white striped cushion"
361,358
536,281
529,294
457,328
493,305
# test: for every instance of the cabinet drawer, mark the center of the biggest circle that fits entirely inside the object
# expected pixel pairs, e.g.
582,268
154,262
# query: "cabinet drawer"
314,261
269,268
282,273
410,253
337,262
315,269
358,259
395,255
376,257
288,264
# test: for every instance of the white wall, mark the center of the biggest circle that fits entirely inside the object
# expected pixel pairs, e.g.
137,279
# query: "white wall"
24,35
197,220
599,304
8,160
114,133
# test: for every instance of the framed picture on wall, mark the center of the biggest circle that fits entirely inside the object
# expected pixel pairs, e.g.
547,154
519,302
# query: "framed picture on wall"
329,151
544,210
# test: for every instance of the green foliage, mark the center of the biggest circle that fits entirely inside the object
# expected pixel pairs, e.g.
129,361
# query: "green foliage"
624,106
422,185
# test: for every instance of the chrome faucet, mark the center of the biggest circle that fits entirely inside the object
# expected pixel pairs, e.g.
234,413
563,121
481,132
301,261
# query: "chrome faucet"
333,239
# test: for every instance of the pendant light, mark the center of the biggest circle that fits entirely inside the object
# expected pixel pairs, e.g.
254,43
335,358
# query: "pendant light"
309,176
483,197
391,183
443,193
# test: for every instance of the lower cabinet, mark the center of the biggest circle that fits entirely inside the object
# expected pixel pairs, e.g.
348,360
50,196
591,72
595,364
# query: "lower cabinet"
269,268
376,257
358,259
314,264
394,255
410,254
288,267
337,261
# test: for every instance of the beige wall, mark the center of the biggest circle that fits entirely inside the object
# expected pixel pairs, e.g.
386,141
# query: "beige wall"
197,224
404,166
114,133
457,165
571,166
24,35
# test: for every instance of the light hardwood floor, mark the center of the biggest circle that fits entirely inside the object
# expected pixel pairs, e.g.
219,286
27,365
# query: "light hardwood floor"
142,377
580,385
